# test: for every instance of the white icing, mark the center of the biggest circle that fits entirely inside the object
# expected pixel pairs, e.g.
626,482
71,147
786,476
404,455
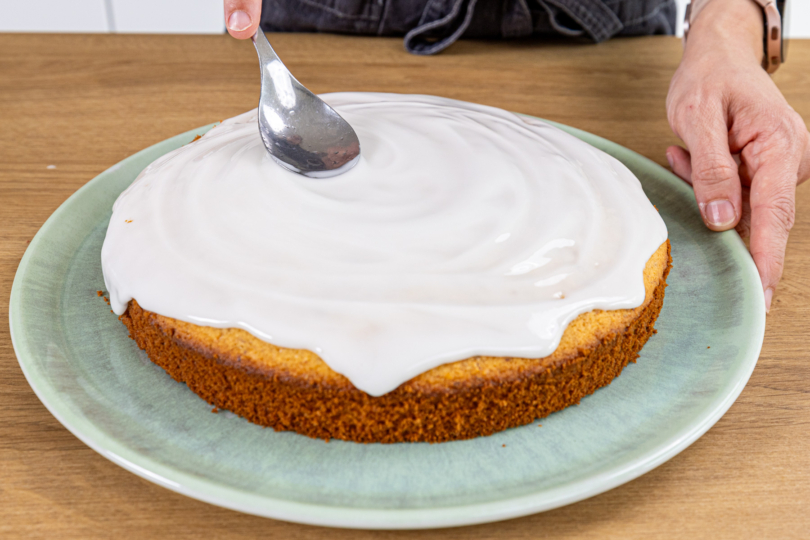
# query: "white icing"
463,230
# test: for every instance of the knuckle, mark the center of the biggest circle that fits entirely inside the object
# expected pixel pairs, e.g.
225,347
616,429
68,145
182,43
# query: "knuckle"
680,112
773,261
781,208
781,132
675,117
796,125
713,171
789,132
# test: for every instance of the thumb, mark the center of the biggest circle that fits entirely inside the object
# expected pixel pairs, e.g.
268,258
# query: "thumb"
714,175
680,162
242,17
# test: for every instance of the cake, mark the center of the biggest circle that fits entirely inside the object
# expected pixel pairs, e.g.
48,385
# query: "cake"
475,271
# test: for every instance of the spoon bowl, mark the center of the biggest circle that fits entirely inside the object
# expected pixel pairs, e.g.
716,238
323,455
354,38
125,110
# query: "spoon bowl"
300,131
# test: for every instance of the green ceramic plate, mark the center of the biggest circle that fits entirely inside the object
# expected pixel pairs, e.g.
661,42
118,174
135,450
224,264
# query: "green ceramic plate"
99,385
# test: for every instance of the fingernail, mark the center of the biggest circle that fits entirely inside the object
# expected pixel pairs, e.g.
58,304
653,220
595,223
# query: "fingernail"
768,298
669,160
238,21
719,213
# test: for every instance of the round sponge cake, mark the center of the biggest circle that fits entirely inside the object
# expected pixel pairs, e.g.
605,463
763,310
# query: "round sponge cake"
294,390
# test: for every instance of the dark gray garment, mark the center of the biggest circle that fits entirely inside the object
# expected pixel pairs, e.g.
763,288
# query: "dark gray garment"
430,26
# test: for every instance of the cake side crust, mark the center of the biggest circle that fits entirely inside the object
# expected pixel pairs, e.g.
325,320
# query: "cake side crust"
462,408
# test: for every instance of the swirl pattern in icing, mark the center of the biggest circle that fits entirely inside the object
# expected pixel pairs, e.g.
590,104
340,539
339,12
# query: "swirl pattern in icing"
464,230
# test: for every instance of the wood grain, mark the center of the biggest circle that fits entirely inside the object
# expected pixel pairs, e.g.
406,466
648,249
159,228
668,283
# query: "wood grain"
83,103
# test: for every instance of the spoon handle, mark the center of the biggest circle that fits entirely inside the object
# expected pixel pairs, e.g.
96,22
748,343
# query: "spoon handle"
263,48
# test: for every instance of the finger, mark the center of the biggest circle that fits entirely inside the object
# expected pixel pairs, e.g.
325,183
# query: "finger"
804,168
242,17
744,225
714,172
680,163
773,195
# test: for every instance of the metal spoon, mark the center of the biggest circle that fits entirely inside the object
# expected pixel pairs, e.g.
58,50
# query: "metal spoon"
300,131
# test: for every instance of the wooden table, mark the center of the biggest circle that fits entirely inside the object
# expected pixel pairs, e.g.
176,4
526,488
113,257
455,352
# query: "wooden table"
83,103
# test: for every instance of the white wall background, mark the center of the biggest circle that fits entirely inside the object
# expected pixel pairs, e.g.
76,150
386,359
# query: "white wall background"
190,16
125,16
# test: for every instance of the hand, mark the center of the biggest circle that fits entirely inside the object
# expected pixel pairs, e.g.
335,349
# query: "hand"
722,104
242,17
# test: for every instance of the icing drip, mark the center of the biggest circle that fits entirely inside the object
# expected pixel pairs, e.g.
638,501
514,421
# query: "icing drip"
463,230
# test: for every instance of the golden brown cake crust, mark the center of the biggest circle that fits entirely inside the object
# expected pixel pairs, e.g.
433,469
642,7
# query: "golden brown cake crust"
295,390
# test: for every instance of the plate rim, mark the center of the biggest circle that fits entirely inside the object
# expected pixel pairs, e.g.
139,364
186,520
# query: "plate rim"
219,494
